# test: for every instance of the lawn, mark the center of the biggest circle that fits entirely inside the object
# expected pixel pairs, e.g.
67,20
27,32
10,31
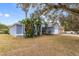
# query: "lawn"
50,45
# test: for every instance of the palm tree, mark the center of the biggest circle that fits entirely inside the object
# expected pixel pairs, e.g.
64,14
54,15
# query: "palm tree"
28,27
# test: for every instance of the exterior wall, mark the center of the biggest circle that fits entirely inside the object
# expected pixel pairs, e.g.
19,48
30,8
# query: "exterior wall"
12,31
56,29
17,30
50,30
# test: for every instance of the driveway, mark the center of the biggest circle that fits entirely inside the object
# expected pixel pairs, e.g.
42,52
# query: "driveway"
76,35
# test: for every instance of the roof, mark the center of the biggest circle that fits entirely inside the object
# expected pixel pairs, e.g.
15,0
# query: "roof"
18,23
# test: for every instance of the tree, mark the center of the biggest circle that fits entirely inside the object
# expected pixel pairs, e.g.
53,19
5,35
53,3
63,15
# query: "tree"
25,6
28,27
37,23
45,8
4,29
32,26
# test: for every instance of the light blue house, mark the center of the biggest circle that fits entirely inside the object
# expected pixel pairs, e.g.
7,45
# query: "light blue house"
18,29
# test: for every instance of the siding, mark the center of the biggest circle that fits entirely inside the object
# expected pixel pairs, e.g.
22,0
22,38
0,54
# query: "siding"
56,29
16,30
12,31
19,29
50,30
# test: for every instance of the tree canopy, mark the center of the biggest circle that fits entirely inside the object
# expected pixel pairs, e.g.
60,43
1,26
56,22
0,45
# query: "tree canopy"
69,22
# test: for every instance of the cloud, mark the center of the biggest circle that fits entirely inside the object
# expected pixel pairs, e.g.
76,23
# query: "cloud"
4,15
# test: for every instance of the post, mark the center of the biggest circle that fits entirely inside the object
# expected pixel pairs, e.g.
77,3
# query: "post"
41,30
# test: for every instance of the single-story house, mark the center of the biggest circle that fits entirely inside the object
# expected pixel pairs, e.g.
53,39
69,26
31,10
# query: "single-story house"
18,29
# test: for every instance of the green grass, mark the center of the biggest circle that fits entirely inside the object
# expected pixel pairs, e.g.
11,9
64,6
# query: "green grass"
43,45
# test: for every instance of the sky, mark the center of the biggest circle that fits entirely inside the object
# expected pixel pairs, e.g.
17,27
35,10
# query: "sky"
9,14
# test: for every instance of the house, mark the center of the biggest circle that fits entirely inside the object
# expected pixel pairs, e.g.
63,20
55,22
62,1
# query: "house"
18,29
53,27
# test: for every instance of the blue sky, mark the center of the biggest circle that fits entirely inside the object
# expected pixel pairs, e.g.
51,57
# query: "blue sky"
9,14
